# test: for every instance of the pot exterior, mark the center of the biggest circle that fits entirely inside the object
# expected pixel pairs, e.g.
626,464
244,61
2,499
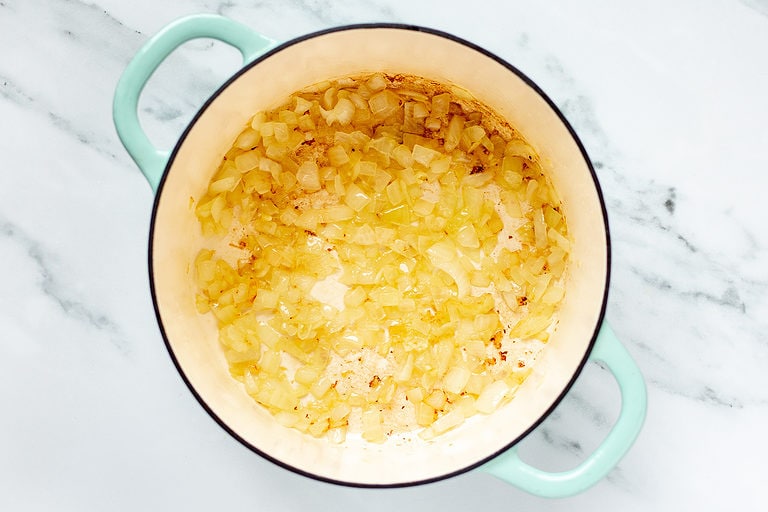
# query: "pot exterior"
265,83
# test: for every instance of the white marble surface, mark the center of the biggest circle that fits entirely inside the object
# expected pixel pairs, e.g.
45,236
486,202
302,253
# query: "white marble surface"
670,100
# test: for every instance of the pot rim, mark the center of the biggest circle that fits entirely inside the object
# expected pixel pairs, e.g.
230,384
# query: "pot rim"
399,26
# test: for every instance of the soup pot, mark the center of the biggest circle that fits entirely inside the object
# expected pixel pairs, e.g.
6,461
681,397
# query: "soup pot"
272,72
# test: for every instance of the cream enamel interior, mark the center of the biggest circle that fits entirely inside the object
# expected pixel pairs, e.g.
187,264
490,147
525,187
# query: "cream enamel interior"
193,338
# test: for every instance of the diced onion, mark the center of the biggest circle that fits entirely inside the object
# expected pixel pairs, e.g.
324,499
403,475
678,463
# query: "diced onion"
491,396
342,113
456,379
376,250
447,422
424,155
356,198
308,177
453,135
466,236
384,104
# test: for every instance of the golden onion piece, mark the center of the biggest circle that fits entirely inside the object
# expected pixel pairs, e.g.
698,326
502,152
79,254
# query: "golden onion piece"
383,256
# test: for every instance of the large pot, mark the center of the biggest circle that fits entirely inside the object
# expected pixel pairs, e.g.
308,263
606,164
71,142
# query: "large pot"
269,75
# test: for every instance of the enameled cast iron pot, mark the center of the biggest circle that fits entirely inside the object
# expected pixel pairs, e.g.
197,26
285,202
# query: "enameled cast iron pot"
269,75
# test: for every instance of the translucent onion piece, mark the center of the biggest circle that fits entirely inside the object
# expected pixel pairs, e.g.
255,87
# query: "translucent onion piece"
456,379
308,177
491,396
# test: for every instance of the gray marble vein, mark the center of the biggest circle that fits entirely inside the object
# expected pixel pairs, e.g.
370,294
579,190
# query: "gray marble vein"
644,210
77,308
760,6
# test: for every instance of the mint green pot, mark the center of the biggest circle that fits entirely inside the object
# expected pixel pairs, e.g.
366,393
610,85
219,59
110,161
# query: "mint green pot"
490,445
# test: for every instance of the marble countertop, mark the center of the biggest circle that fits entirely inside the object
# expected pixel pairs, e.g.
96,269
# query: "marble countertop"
670,101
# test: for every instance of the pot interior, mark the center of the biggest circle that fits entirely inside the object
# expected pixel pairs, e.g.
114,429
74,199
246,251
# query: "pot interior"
175,240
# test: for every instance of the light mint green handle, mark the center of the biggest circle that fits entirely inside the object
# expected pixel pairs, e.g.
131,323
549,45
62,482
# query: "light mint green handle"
151,160
510,468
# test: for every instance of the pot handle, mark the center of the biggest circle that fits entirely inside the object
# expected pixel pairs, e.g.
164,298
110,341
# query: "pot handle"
152,161
510,468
